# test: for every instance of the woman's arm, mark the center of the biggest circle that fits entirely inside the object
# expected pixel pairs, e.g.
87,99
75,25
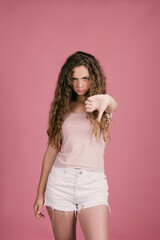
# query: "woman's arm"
48,160
112,104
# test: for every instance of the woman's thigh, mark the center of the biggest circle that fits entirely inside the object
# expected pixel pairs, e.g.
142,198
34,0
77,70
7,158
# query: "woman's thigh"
94,222
63,225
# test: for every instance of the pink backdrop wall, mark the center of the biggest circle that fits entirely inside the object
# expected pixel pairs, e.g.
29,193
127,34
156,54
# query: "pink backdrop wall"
36,39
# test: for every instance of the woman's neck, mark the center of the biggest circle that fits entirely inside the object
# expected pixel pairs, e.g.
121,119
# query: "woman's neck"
77,106
80,99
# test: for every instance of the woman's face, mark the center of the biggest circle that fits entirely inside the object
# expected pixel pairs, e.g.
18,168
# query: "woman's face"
80,80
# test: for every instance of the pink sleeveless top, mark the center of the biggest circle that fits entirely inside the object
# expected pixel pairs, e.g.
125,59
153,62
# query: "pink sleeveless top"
79,146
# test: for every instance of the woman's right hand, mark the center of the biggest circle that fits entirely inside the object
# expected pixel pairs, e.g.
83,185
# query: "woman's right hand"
37,207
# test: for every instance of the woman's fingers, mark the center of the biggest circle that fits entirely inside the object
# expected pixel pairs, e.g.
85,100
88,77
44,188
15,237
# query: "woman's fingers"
37,211
88,103
91,106
40,215
91,98
89,110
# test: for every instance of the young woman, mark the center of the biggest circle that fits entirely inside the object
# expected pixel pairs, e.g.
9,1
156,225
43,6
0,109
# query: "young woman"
72,175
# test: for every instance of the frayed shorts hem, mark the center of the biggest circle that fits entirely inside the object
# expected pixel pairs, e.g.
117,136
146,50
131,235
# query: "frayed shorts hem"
66,210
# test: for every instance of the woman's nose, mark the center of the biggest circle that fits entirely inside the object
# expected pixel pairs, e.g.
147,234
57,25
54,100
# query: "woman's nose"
80,83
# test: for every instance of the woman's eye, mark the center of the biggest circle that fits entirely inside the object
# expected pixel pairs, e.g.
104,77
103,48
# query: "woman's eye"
85,78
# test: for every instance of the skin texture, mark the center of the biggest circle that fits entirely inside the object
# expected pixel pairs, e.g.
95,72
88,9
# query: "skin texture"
93,220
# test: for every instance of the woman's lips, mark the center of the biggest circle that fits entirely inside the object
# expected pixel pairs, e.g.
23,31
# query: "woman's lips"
80,91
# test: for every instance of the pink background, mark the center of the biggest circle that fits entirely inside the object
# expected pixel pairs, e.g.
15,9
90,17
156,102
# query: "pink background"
36,39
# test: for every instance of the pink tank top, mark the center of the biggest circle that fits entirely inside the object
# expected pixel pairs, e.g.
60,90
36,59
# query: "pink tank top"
79,146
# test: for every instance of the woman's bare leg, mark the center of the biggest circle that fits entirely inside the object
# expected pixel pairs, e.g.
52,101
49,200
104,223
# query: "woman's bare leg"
63,225
94,222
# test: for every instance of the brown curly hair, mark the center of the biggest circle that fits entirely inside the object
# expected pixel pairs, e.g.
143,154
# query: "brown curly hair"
64,95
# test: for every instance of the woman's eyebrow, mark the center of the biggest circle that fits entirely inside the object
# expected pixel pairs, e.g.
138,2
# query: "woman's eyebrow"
83,77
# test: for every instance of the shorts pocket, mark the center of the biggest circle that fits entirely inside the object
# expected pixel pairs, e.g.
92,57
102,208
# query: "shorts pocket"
58,177
57,172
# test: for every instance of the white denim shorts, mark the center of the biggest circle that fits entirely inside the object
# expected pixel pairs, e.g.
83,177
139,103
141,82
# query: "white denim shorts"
71,189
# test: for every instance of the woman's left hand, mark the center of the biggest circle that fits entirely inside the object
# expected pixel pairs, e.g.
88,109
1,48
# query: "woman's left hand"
97,102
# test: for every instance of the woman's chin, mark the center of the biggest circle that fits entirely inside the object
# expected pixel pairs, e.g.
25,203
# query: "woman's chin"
81,93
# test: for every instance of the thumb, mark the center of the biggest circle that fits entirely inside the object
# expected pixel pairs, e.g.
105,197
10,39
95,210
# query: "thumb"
99,116
39,209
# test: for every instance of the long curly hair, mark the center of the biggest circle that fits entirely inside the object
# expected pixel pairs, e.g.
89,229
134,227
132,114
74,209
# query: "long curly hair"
64,95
